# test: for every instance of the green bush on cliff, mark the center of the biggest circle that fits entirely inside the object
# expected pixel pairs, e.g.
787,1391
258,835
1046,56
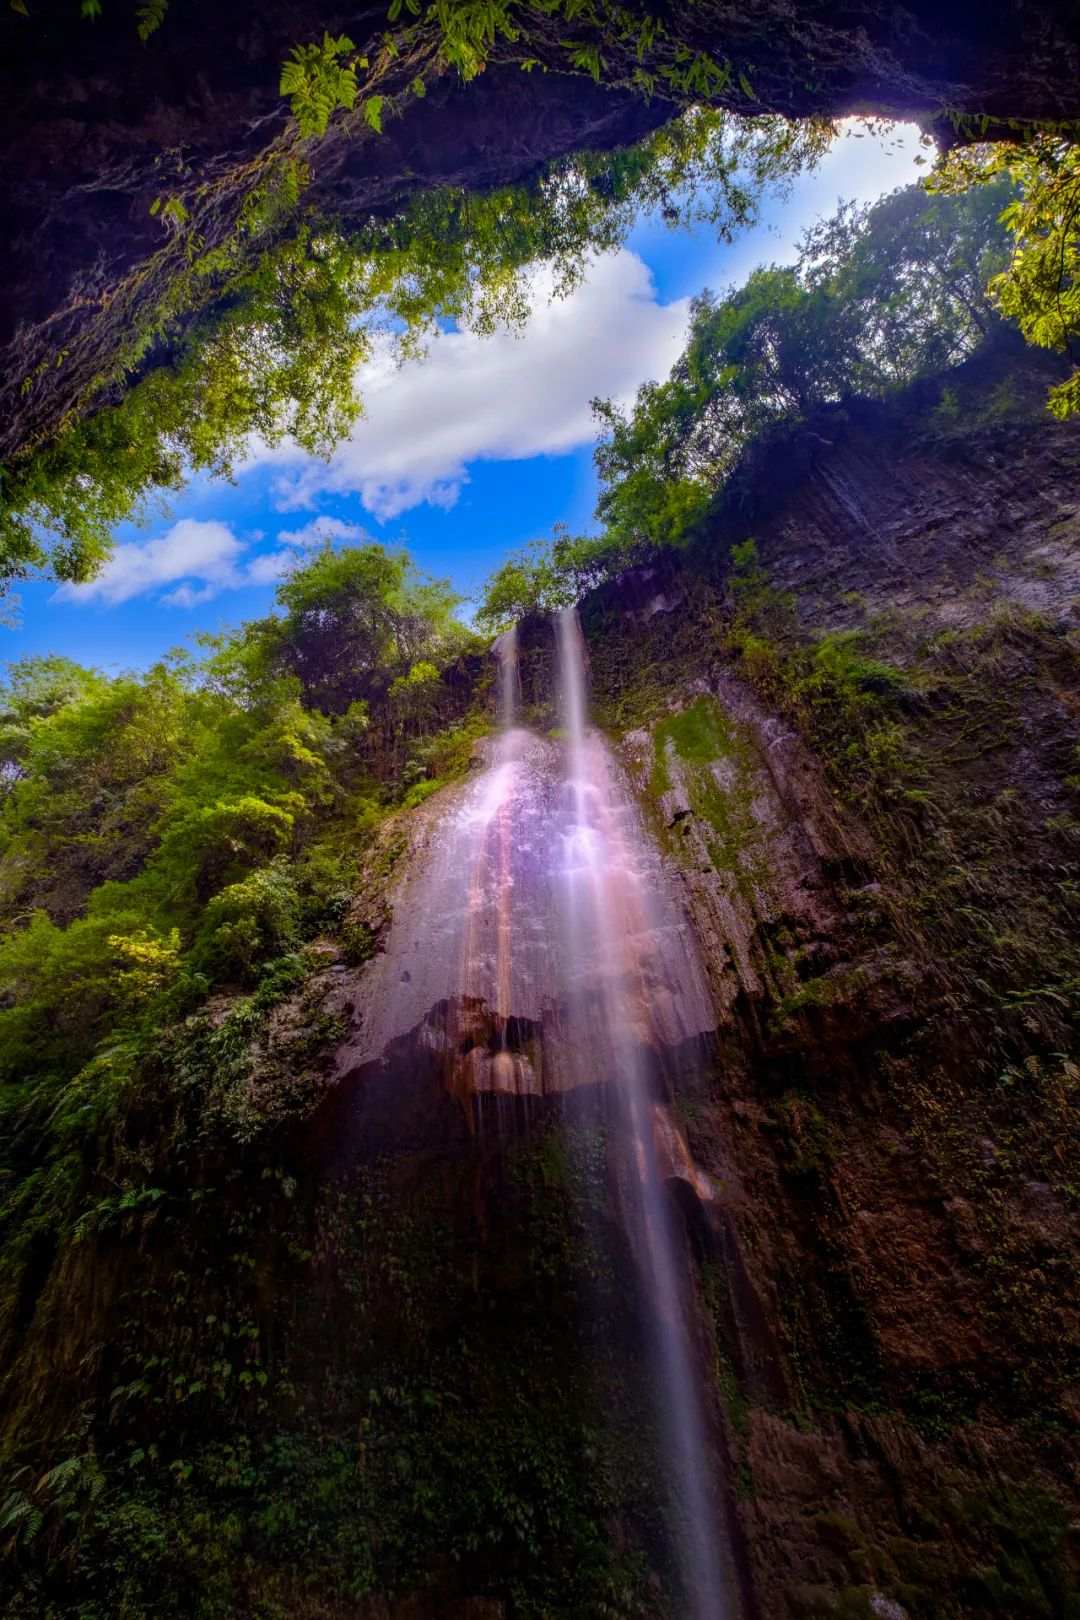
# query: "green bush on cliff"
547,575
879,296
194,822
1039,287
247,922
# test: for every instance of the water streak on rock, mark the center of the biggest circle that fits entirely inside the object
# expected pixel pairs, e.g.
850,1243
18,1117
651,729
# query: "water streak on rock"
537,951
616,1008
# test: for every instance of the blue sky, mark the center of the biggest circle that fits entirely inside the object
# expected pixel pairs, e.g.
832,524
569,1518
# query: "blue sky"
462,456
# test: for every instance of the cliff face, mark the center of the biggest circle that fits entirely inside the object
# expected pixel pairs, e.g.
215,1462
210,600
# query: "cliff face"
370,1349
857,756
97,124
892,1107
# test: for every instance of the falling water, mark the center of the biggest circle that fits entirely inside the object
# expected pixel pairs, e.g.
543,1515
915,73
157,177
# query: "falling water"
537,952
504,1069
509,678
611,934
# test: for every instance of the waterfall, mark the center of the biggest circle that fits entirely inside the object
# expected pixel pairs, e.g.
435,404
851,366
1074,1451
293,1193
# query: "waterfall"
607,918
505,1072
509,677
539,960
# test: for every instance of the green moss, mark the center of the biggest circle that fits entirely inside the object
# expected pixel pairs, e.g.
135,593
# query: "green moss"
806,1144
819,992
700,734
1000,1552
358,943
714,764
421,791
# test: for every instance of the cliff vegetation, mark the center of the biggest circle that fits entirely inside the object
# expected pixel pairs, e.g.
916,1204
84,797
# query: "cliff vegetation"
217,275
830,619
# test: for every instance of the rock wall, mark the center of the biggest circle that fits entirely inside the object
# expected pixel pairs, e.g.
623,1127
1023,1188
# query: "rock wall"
360,1350
864,791
892,1097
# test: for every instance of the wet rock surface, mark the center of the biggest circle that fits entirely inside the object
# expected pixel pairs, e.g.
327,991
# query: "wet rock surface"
880,1223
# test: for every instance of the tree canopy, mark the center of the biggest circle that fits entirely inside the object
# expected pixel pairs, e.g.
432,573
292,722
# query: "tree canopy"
279,357
160,833
1039,288
355,621
878,296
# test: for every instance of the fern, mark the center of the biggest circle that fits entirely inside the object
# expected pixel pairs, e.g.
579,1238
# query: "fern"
150,17
19,1515
65,1473
317,80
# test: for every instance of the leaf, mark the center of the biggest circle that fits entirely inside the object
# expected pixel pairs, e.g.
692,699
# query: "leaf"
20,7
372,110
172,210
317,83
149,17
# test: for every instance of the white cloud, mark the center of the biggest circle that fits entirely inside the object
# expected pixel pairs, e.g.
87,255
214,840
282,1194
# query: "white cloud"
200,558
189,596
194,549
271,566
503,397
321,529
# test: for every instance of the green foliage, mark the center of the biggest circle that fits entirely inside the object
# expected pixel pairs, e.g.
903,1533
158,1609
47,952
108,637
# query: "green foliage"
844,698
543,577
180,829
149,18
636,47
248,922
1039,288
879,296
65,989
358,621
912,272
260,331
86,763
319,79
278,361
446,754
210,845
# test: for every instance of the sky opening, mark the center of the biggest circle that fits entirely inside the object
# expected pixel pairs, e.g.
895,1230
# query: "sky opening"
462,456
